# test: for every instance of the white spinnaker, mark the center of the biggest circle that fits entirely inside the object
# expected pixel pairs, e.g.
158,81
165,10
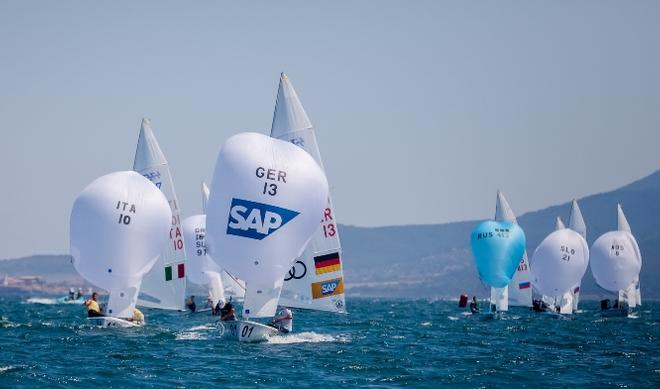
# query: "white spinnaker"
118,224
164,287
322,260
559,263
520,290
232,287
577,224
266,199
194,233
615,258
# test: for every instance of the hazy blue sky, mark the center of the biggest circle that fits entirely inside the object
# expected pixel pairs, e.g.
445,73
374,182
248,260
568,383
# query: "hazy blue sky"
422,108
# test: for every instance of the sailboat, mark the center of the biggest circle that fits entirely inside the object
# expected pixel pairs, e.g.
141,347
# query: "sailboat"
519,290
118,225
615,264
558,264
497,247
165,286
321,261
577,224
202,270
267,197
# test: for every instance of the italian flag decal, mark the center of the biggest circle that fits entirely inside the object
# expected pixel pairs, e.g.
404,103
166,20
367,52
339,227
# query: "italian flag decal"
180,270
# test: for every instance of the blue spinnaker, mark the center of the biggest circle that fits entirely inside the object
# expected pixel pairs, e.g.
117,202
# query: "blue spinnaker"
497,248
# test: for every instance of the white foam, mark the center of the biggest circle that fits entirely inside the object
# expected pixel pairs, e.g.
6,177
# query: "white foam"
426,323
191,336
452,318
6,368
303,337
42,300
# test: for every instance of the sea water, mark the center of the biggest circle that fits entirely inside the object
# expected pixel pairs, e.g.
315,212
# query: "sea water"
380,343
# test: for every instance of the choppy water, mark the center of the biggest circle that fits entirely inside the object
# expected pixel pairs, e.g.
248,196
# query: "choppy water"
380,343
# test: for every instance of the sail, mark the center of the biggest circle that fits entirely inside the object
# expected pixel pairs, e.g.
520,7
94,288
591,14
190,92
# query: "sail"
566,303
520,288
622,222
266,199
321,262
577,224
559,224
205,196
118,224
615,258
165,286
234,288
559,263
194,234
216,290
497,248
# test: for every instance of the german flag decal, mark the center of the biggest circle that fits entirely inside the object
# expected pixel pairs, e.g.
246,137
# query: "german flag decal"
327,288
327,263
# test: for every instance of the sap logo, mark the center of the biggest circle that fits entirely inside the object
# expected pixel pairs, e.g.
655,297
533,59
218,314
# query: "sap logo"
256,220
329,287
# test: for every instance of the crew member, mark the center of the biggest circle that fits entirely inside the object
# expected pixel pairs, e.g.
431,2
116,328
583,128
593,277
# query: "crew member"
72,294
138,316
93,309
474,307
283,321
227,312
191,304
79,294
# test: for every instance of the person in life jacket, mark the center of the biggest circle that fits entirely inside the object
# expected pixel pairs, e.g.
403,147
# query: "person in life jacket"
227,312
138,316
283,321
72,295
79,293
93,309
190,303
474,306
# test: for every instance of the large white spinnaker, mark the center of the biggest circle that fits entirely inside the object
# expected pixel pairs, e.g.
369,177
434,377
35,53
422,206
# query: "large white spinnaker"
201,270
321,263
164,287
577,224
267,197
616,261
519,291
118,225
558,264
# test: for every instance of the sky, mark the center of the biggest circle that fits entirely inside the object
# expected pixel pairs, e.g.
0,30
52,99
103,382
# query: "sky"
422,109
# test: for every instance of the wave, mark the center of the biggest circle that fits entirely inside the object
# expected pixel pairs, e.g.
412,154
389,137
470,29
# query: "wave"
303,337
51,301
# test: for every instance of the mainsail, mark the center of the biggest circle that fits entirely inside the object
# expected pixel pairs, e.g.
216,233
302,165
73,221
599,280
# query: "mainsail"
164,286
616,261
266,199
118,224
519,291
577,224
322,260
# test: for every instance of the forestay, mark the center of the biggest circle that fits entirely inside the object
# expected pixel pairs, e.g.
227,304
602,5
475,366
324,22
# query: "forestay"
267,197
316,280
165,286
520,289
118,224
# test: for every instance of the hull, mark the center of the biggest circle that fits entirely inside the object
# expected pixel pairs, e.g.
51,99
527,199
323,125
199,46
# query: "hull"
66,300
247,331
615,312
112,322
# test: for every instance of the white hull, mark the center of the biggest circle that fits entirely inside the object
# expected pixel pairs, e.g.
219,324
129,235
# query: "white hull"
114,322
247,331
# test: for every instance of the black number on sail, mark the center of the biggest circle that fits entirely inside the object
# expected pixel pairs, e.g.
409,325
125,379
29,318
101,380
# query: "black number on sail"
124,219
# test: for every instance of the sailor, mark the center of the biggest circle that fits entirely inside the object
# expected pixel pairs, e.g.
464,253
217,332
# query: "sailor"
474,307
93,309
79,294
72,294
138,316
191,304
283,321
227,312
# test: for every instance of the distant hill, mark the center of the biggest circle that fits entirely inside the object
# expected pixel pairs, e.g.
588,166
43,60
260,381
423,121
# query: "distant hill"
435,260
